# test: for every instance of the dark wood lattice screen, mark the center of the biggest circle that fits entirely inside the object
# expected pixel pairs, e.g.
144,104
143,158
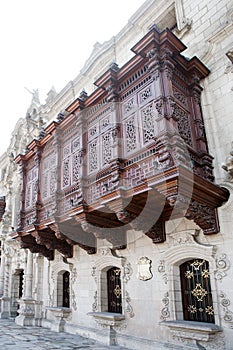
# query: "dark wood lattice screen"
114,290
196,291
66,289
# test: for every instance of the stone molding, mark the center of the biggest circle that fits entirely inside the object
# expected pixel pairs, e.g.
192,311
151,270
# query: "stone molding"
107,319
57,267
61,315
183,246
183,23
107,258
197,331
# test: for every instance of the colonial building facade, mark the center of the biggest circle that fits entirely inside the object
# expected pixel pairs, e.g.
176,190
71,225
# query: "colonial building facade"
118,198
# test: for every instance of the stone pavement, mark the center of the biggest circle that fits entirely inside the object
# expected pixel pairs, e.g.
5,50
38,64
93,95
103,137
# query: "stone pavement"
14,337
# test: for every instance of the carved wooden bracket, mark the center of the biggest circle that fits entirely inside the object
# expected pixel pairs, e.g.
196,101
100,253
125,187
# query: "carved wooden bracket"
76,233
49,240
204,216
157,232
29,242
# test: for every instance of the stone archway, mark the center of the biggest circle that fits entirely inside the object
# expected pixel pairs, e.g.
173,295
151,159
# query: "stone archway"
16,290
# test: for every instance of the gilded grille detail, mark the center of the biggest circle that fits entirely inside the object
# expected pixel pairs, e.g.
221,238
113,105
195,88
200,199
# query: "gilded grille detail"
199,292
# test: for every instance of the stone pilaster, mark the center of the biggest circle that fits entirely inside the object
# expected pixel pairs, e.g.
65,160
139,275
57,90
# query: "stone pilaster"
27,304
2,271
5,300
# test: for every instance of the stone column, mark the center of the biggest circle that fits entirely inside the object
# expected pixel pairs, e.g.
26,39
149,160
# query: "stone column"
36,291
27,303
2,271
28,276
5,300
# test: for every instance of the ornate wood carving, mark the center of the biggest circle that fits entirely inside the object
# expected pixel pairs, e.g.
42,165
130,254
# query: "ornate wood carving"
29,242
140,132
204,216
50,241
157,232
73,231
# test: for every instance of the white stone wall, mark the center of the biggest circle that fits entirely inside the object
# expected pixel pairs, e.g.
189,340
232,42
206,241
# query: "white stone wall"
210,38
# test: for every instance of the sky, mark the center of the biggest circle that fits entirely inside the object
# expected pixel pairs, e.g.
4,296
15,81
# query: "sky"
46,43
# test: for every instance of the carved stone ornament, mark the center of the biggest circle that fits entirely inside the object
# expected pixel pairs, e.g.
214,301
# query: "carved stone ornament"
183,238
196,335
161,267
165,313
228,314
127,272
95,303
74,275
93,273
222,264
73,299
228,166
105,251
129,308
144,269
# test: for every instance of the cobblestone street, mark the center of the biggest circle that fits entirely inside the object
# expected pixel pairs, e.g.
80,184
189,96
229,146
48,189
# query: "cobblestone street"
14,337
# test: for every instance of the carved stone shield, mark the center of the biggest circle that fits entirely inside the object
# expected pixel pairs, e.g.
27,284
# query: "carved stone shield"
144,269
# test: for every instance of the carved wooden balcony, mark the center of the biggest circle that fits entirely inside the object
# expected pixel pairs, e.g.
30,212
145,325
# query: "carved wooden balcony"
133,154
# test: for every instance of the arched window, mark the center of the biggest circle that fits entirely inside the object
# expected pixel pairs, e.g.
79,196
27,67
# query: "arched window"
114,290
196,291
66,289
21,274
63,289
